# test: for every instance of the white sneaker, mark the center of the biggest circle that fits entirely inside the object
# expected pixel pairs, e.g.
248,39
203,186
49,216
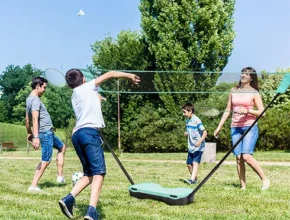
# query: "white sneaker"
60,179
266,184
34,189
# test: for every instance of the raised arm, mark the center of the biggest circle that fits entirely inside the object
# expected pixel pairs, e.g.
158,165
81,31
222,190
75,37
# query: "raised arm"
115,74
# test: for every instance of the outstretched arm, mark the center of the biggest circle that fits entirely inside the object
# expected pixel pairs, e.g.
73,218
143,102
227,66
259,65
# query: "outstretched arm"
115,74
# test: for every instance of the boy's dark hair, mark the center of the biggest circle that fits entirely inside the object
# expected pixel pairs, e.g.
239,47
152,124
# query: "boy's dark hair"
74,78
38,81
188,107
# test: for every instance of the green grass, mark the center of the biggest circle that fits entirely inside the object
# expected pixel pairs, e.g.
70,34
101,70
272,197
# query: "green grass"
219,198
17,134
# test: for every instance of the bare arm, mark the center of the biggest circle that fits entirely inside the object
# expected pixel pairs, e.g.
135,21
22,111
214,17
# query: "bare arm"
204,134
225,115
259,104
27,124
35,125
115,74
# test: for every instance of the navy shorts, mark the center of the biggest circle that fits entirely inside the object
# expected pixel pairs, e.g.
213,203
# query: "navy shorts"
88,145
194,157
48,141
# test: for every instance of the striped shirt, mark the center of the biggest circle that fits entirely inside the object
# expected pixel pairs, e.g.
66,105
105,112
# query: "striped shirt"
195,129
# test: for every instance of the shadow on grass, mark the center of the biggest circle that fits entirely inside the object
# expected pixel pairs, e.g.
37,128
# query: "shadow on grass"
83,209
235,185
48,184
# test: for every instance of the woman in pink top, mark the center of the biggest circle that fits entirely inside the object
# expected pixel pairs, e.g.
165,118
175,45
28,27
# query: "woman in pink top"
246,104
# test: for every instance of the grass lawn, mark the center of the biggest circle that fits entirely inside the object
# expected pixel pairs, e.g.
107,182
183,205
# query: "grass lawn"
219,198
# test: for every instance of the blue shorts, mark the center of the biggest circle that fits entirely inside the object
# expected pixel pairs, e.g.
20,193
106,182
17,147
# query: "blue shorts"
194,157
49,141
248,143
88,145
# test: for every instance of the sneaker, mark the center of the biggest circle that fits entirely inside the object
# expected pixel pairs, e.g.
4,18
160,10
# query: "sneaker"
189,181
266,184
66,205
60,179
34,189
92,214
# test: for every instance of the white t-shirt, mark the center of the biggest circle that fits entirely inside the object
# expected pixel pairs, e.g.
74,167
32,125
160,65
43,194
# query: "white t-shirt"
87,106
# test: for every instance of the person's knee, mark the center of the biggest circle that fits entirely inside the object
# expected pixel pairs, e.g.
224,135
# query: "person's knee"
44,164
247,158
239,158
62,150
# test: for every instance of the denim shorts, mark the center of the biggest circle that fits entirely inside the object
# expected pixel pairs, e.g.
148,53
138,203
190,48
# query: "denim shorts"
194,157
248,143
49,141
88,145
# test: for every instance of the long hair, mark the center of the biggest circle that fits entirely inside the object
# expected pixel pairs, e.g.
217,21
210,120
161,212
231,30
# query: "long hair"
253,75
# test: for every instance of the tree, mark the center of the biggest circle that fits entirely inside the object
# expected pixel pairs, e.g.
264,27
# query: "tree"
13,79
187,35
127,52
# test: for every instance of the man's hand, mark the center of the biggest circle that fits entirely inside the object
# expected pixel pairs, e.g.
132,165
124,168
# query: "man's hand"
35,143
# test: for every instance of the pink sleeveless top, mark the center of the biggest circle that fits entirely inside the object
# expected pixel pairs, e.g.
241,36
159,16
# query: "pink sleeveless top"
242,100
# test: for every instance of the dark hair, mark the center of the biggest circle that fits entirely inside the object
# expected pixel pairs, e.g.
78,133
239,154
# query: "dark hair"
188,107
254,77
74,78
38,81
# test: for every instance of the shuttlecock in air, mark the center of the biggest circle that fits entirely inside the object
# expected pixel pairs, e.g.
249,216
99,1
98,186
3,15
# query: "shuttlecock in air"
81,12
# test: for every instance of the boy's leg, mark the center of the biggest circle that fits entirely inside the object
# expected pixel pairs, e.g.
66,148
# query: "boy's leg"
96,188
194,171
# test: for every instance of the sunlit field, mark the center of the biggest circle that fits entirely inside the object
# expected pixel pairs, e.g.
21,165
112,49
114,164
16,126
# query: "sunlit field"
219,198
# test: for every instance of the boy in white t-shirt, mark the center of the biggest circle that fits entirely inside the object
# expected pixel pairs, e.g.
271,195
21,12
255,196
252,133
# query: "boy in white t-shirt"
86,139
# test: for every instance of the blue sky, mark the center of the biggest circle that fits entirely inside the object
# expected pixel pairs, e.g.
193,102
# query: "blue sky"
48,33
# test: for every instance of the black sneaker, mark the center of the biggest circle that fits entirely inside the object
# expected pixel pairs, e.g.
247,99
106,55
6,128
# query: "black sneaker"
92,214
66,204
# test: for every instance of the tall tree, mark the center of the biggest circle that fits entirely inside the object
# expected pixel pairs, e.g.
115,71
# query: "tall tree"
126,52
12,80
187,35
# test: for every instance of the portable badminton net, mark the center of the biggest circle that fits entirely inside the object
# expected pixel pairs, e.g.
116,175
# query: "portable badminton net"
171,196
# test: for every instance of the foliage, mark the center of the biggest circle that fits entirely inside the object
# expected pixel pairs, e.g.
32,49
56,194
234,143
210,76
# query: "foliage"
58,104
187,35
68,132
12,80
127,52
153,130
270,83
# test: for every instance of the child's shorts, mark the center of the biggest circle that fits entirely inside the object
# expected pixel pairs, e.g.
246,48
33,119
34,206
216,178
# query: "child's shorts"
248,143
88,145
194,157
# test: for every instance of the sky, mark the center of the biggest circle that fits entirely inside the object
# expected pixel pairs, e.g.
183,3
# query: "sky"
49,34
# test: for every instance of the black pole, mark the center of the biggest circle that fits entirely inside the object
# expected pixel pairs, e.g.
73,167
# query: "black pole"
117,159
231,149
